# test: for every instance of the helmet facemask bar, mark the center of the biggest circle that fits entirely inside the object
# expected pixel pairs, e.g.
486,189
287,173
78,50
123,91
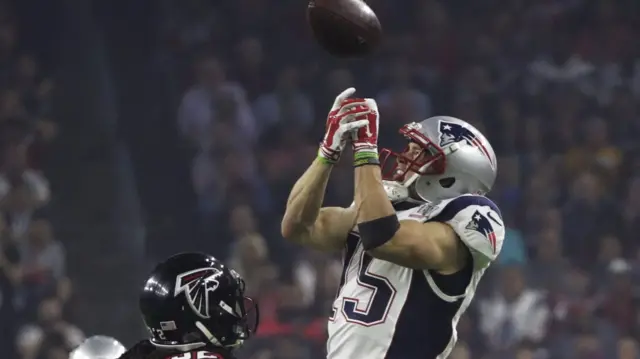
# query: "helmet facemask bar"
251,317
249,313
407,166
246,309
242,316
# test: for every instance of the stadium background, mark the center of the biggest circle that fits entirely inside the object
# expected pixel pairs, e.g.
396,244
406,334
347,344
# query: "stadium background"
131,130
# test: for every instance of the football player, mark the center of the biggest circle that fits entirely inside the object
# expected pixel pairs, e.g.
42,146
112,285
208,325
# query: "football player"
194,308
417,239
98,347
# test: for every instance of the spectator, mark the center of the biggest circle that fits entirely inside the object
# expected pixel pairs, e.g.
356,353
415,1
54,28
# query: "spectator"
20,201
552,219
10,281
574,300
223,178
55,347
587,215
630,212
32,90
560,66
597,153
620,300
539,198
534,151
624,109
214,99
21,188
507,188
514,313
318,277
528,350
287,106
279,166
249,253
43,254
609,250
548,262
50,333
588,345
627,348
402,101
196,22
43,261
251,67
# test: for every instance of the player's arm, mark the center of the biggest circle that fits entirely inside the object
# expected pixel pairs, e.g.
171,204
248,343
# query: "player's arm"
305,222
407,243
431,245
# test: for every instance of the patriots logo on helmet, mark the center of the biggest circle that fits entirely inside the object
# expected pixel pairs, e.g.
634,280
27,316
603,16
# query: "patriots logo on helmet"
481,224
451,132
197,295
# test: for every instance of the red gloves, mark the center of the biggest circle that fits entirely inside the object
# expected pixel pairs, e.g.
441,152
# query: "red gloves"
365,138
345,116
356,119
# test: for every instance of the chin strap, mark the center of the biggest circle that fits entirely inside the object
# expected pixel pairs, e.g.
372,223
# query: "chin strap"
398,192
395,191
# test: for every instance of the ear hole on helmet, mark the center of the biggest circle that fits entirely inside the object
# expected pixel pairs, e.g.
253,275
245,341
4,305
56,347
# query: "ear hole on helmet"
447,182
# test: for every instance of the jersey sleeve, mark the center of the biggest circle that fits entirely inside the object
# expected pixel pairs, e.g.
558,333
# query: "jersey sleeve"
478,223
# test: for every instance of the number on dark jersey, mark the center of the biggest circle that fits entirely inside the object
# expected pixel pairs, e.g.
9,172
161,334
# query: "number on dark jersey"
201,354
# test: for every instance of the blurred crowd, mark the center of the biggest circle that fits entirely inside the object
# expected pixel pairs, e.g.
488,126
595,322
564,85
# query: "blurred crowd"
34,288
553,84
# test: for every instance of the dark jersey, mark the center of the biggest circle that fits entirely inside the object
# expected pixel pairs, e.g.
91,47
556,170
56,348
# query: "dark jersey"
198,354
145,350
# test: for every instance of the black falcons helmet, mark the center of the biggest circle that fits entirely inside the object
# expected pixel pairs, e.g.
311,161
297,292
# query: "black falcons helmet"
193,300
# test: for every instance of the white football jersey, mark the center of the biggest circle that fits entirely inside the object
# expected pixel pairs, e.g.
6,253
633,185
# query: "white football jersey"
386,311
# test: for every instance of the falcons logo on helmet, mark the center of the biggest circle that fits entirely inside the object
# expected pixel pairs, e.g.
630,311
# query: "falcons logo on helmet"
196,285
451,132
481,224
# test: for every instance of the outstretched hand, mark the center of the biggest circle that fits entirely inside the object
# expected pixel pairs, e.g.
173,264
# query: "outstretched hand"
347,115
365,138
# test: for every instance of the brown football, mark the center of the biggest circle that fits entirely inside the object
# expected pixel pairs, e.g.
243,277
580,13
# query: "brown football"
344,28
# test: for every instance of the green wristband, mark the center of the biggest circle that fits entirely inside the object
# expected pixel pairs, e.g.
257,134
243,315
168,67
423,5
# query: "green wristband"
325,160
365,158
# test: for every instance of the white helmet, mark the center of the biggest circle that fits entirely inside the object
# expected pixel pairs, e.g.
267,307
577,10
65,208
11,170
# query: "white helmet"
98,347
448,158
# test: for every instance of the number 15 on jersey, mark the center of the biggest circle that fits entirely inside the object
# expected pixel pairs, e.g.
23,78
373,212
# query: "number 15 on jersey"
369,303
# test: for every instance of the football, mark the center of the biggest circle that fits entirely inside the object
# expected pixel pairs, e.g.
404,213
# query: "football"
344,28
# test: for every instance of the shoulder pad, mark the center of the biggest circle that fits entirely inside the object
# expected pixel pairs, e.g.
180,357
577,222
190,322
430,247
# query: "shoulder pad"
478,223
